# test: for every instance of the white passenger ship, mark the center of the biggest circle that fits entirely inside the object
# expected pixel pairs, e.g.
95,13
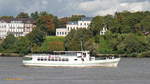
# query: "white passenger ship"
69,58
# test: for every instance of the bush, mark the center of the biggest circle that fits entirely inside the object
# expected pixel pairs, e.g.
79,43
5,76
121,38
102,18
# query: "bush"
144,54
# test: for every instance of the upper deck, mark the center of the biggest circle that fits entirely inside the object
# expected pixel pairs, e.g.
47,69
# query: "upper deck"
61,53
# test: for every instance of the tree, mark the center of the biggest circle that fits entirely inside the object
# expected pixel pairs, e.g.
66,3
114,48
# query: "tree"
108,21
146,23
9,43
128,22
6,17
23,45
36,37
63,21
76,17
91,46
75,37
47,23
96,25
35,15
133,44
22,15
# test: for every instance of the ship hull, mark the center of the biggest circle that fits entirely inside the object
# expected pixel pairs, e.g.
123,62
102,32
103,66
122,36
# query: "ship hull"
94,63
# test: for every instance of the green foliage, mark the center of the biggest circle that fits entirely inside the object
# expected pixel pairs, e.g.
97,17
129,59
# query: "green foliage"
76,39
22,15
104,46
96,25
146,23
128,34
36,37
52,43
91,46
133,44
6,17
8,45
9,41
23,45
35,15
126,22
76,17
46,22
144,54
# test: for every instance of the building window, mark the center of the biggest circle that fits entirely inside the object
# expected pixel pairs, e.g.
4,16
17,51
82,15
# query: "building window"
57,33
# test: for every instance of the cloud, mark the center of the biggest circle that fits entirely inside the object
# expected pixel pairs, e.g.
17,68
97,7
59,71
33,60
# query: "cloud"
69,7
135,6
97,4
103,7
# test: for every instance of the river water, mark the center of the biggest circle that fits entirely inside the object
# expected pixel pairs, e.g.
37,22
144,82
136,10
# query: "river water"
129,71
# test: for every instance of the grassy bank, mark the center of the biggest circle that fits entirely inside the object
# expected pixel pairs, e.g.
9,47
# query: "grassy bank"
52,43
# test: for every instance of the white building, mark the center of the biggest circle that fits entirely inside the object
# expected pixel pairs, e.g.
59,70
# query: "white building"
61,32
83,23
17,27
103,31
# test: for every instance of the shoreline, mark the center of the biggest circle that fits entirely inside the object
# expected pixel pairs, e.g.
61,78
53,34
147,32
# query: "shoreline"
10,55
98,55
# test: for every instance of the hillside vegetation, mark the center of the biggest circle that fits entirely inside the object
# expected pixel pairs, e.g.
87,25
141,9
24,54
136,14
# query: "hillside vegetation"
128,34
52,43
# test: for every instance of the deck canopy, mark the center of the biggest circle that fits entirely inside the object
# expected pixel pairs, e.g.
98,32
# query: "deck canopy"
68,53
62,53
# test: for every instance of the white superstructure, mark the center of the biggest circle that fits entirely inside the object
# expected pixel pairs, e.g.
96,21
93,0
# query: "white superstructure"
69,58
17,27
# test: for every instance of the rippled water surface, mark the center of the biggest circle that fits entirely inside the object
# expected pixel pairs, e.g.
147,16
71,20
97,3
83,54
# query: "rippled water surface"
129,71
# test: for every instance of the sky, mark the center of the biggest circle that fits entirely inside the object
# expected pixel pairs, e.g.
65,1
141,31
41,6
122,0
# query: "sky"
63,8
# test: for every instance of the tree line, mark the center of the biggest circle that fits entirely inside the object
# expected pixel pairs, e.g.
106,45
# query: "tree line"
46,25
128,33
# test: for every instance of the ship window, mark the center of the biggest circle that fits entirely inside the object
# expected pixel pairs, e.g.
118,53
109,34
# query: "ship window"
84,54
41,59
75,59
52,59
56,60
79,56
45,59
38,59
49,59
63,59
